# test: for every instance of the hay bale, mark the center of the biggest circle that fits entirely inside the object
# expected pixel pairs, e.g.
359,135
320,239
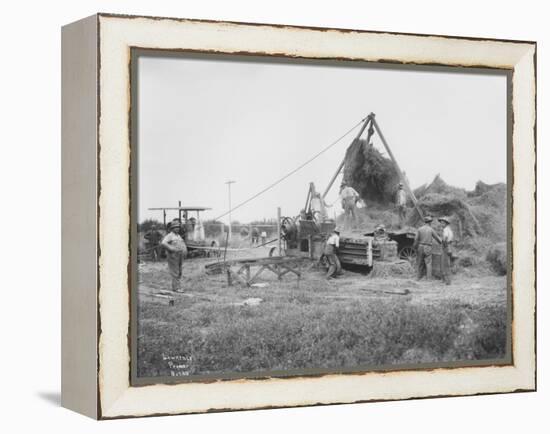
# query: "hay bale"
370,173
497,257
391,269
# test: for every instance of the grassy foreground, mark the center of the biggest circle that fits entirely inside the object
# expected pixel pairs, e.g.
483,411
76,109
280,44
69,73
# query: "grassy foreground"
301,330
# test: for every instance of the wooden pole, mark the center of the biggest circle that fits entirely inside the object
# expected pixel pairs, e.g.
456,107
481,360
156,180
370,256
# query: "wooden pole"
279,229
229,196
365,123
399,172
308,198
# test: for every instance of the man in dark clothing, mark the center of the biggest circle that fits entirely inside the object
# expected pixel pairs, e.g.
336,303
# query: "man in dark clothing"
254,235
331,250
176,251
423,247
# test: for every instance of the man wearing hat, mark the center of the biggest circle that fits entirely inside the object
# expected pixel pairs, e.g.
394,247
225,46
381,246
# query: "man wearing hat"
446,241
331,247
176,250
423,246
401,203
380,232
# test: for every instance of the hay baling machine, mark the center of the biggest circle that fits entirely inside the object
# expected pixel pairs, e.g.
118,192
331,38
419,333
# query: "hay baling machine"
306,234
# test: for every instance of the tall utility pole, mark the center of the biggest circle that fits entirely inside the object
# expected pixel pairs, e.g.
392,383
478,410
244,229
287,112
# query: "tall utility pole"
229,193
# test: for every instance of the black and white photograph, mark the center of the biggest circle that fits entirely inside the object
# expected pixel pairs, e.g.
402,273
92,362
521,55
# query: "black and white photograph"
275,216
296,217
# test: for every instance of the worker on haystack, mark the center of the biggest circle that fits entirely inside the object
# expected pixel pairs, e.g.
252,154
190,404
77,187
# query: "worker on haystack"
176,251
446,242
349,198
423,246
331,249
401,204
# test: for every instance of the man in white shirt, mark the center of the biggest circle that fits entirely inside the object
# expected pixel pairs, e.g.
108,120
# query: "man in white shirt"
176,250
401,203
446,242
349,198
331,248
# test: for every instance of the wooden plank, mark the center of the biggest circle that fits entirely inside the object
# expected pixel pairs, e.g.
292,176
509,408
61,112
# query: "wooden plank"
157,298
260,261
181,208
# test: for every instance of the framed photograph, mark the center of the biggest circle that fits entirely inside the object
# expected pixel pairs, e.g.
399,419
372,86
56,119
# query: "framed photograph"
262,216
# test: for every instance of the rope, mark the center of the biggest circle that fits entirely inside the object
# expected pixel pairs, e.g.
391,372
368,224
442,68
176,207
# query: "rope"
269,187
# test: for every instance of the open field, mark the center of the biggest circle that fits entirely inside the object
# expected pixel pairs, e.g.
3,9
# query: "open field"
344,323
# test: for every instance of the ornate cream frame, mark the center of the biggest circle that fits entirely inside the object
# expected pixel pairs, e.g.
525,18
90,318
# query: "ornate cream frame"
96,195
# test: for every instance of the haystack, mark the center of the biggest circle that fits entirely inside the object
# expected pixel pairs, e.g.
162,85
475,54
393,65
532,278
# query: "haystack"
488,204
439,186
440,199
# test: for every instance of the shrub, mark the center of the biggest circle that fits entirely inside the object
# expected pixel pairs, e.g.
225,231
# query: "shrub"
307,335
496,256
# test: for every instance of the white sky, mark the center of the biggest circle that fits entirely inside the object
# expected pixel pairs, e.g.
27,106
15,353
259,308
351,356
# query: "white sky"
204,121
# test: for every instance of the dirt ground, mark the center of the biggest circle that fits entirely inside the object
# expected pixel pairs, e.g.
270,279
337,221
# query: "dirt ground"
153,277
354,320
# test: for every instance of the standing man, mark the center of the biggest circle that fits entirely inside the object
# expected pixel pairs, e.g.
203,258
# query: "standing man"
153,238
446,242
263,236
176,251
254,235
401,202
423,247
331,248
349,198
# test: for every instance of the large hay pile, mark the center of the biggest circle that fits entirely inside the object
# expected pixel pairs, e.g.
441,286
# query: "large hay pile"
440,199
474,214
